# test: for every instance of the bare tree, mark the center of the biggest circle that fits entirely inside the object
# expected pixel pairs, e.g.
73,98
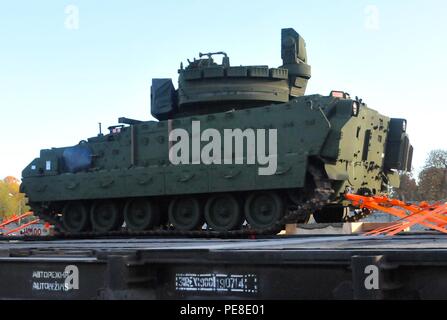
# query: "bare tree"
433,178
408,190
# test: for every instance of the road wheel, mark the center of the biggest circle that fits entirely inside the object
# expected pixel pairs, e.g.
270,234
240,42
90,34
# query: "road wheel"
141,214
223,213
75,217
185,214
106,216
264,210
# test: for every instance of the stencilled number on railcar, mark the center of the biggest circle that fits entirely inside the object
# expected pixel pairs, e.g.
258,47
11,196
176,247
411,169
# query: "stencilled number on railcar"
217,282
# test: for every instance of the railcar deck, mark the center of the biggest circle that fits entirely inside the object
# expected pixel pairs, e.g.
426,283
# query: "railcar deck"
411,266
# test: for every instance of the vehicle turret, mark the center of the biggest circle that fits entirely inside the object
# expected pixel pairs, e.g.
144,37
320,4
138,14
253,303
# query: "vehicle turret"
208,87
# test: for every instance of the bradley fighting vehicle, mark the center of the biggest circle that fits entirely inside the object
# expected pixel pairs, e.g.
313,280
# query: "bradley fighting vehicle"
125,180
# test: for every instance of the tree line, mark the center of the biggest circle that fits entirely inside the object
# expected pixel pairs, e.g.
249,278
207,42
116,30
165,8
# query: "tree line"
12,202
431,184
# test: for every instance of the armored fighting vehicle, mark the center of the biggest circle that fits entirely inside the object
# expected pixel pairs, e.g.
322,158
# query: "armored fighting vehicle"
138,178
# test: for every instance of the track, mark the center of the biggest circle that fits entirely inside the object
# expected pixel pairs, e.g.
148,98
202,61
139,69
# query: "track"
322,195
288,268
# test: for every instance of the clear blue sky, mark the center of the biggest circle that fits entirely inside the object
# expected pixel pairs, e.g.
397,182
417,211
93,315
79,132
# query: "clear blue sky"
57,83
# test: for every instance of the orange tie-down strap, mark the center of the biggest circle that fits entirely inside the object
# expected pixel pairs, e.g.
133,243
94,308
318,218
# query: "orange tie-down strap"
431,216
15,219
22,227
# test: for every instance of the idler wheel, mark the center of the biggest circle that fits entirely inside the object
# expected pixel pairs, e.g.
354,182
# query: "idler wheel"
264,210
223,213
185,214
75,217
106,216
141,215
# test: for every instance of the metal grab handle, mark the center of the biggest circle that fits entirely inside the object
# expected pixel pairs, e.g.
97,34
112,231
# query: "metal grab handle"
232,175
72,186
283,172
186,177
106,184
144,182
